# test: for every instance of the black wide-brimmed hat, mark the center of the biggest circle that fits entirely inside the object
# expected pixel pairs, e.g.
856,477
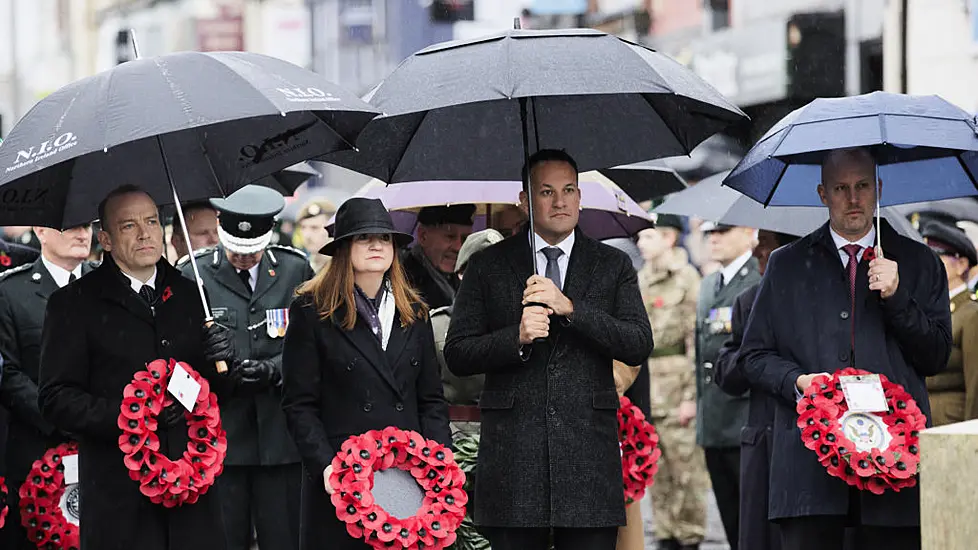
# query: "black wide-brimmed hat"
362,216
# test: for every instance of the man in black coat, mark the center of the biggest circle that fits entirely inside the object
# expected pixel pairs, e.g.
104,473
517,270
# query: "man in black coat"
430,263
806,321
251,284
755,531
24,293
549,455
98,332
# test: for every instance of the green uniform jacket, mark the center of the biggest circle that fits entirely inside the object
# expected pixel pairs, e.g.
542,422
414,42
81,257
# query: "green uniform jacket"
719,417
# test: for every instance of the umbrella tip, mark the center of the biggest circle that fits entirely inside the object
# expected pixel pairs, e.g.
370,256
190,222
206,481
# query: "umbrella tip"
516,23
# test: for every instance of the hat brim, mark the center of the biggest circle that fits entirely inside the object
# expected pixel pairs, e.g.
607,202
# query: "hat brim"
401,240
239,245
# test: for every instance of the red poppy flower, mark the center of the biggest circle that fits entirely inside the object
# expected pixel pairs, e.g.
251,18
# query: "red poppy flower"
167,294
877,485
355,530
884,459
5,260
862,463
869,254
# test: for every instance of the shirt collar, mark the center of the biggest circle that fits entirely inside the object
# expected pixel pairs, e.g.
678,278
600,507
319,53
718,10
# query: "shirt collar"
136,284
731,270
958,290
565,245
58,273
868,240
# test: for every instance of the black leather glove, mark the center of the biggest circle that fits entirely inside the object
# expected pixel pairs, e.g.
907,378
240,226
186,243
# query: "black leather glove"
218,343
263,373
172,415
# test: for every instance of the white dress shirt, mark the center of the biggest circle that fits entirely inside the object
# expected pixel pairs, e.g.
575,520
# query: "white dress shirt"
136,284
252,276
60,274
733,267
868,241
563,261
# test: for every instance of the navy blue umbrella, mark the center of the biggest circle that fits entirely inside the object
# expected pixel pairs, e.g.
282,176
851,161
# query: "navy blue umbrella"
925,149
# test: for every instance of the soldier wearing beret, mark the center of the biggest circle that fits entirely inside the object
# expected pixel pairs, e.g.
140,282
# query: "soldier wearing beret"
954,392
312,221
430,263
251,284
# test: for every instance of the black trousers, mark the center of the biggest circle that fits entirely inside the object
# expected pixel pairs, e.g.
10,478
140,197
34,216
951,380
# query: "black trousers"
723,464
831,533
266,497
565,538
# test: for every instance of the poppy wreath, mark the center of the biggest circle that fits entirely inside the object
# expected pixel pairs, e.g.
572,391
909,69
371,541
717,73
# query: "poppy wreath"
40,501
847,444
432,465
165,481
3,501
639,450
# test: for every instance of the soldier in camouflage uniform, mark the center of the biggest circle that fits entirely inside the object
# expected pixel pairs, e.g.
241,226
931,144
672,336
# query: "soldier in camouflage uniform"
670,286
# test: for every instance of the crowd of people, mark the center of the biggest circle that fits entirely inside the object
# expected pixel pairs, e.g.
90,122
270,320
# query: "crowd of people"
449,331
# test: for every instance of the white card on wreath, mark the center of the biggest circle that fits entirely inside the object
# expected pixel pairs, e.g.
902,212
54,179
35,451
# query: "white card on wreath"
864,393
183,388
70,462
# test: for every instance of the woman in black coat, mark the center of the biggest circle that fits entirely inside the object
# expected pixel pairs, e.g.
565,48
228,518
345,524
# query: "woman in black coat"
359,355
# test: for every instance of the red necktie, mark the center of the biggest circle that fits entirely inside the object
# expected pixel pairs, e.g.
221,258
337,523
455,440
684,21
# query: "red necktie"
852,250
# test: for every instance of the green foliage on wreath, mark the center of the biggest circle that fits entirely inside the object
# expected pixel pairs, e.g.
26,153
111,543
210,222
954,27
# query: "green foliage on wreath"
466,449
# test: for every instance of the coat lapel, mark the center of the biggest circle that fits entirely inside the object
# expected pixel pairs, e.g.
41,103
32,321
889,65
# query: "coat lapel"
115,289
396,341
45,282
520,259
735,284
580,267
368,346
267,278
226,275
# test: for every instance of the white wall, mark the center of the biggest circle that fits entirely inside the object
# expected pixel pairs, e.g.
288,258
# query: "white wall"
942,55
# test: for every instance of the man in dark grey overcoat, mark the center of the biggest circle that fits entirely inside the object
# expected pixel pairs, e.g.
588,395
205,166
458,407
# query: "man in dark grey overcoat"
549,458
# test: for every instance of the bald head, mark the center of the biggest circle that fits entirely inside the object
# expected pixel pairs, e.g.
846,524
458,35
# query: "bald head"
837,159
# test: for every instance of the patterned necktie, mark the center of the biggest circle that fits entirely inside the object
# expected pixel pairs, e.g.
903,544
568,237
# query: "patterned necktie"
245,277
553,268
852,250
147,293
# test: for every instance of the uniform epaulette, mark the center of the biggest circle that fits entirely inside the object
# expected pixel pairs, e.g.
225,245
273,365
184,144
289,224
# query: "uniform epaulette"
301,253
18,269
200,252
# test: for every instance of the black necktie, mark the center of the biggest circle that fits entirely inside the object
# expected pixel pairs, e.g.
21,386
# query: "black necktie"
147,293
71,278
719,283
245,277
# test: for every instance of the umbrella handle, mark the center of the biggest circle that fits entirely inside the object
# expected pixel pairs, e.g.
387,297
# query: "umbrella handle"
221,366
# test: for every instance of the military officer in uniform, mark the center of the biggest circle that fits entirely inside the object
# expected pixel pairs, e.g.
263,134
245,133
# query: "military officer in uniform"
251,284
24,293
954,392
670,286
719,416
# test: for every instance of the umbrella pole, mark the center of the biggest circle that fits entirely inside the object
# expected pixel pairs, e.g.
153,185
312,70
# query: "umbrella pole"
529,190
879,191
221,366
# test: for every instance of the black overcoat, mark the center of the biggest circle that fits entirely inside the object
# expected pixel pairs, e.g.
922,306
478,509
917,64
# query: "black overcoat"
97,334
801,323
338,383
549,452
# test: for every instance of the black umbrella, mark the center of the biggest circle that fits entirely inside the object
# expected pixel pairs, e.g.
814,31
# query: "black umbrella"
184,126
476,109
647,180
287,181
961,208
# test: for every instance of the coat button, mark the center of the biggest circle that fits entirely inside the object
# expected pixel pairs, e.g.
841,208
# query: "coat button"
553,367
367,407
254,336
843,315
552,411
843,356
399,407
164,342
349,366
415,362
254,310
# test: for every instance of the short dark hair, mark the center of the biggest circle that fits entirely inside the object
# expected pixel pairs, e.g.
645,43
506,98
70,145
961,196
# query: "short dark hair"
784,239
117,192
545,155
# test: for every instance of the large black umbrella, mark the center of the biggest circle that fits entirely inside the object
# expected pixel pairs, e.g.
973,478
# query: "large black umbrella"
476,109
210,123
287,181
182,127
647,180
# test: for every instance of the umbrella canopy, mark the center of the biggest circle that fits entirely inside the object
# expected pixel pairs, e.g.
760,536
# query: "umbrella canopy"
210,123
475,109
960,209
606,211
647,180
287,181
925,149
709,200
